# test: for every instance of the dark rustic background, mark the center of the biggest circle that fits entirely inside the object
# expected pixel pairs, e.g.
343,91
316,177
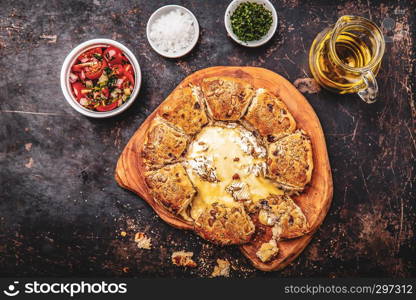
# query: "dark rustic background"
61,212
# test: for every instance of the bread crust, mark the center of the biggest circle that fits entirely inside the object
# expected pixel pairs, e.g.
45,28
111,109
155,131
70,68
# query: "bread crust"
186,110
289,161
269,116
170,186
225,225
227,98
285,216
163,145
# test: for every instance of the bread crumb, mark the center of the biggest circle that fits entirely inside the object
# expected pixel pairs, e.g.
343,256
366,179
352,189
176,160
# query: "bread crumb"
28,146
123,233
307,85
222,268
183,259
29,165
143,242
51,38
267,251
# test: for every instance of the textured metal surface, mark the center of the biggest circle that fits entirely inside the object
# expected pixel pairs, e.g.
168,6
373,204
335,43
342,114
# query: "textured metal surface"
61,212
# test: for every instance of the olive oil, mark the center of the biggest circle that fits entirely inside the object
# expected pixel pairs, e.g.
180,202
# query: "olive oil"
346,58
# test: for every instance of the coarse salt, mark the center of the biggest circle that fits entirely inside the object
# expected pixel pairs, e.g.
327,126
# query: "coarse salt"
173,32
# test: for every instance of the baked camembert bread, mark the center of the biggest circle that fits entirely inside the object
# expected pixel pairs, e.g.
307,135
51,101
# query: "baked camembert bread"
227,98
224,157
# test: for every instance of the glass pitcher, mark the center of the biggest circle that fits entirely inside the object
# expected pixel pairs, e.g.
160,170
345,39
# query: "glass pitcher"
346,58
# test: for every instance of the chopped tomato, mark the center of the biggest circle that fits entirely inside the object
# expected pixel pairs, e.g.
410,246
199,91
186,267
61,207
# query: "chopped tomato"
113,55
102,75
77,68
78,87
95,71
128,69
105,91
125,81
118,70
130,78
107,107
86,56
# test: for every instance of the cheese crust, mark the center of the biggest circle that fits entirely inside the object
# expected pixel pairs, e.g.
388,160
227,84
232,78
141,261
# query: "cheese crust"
186,110
269,116
284,215
290,161
225,225
171,187
163,145
227,98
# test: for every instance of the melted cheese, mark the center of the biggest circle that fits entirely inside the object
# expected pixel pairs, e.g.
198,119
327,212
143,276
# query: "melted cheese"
225,149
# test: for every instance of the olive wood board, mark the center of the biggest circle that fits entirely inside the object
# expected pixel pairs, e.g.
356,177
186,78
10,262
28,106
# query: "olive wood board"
315,200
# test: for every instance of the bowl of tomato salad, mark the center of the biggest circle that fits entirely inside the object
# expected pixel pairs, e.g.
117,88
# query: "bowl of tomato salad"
100,78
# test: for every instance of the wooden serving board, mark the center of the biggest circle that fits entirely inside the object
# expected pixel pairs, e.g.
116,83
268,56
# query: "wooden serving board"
314,201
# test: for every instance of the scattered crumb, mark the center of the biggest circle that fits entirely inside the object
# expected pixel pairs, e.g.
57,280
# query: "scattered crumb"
116,36
123,233
267,251
28,146
143,242
222,268
184,66
30,163
51,38
183,259
307,85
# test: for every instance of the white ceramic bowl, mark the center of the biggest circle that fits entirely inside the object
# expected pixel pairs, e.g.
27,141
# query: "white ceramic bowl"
227,22
70,60
164,10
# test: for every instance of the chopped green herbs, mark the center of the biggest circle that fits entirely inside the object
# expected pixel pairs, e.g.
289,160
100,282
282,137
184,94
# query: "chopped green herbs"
98,56
251,21
107,70
112,81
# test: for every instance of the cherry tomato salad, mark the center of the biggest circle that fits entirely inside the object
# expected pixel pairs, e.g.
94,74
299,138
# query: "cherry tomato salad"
102,78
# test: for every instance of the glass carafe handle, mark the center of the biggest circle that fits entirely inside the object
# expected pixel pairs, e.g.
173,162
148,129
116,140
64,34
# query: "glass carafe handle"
369,92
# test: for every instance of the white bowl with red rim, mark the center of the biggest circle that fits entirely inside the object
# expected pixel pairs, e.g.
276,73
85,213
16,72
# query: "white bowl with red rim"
71,59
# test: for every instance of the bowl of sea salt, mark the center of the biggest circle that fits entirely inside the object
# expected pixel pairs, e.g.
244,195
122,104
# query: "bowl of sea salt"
172,31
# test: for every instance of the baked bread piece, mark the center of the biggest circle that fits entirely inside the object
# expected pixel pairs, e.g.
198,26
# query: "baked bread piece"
171,187
287,219
225,225
186,110
267,251
183,259
289,161
269,116
227,98
163,144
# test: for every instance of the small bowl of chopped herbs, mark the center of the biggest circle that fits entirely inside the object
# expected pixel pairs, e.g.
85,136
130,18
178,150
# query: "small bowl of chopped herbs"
251,23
